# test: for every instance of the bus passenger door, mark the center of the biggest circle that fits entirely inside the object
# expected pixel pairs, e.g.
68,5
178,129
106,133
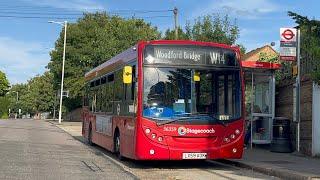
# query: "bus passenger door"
129,111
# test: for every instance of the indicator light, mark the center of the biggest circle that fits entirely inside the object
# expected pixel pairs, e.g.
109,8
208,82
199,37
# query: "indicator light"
153,135
160,138
151,151
232,136
226,139
147,131
237,131
234,150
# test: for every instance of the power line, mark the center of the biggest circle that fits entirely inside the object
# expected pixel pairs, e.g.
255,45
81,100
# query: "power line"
58,13
46,7
141,11
39,13
36,17
71,18
68,15
144,17
36,9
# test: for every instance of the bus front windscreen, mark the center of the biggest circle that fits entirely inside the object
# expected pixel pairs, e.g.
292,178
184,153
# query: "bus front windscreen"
196,94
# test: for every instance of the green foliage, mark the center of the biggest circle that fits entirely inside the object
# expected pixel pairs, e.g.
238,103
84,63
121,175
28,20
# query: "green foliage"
91,41
213,28
4,107
310,43
14,96
35,96
272,58
4,116
267,57
170,35
242,49
41,93
209,29
4,84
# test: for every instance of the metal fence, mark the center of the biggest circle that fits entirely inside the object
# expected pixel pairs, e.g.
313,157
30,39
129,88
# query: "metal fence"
309,64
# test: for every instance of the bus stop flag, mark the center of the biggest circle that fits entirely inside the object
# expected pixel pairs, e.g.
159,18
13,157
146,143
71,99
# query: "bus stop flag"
288,44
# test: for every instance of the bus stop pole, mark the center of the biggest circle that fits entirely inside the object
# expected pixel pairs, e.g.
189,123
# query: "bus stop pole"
298,91
252,101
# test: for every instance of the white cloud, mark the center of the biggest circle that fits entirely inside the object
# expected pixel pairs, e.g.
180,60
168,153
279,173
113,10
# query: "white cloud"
81,5
241,9
20,60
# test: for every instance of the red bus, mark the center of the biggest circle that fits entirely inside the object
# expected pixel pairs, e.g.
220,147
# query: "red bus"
167,100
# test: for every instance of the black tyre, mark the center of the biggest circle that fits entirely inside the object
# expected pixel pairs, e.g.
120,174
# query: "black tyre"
117,145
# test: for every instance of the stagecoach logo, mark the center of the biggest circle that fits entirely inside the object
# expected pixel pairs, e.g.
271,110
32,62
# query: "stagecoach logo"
182,131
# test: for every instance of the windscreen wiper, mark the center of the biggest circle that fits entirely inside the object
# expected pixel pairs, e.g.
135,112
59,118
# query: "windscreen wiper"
220,122
175,120
193,117
211,116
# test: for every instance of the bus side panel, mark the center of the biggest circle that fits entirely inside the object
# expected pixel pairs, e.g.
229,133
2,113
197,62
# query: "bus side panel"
126,126
97,138
103,140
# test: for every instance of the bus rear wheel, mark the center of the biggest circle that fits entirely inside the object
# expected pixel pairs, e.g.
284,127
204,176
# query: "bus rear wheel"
117,145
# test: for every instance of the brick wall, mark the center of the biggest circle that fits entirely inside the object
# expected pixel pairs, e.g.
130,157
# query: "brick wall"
284,108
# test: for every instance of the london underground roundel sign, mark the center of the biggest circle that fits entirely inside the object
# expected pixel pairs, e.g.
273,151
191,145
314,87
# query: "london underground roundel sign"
288,34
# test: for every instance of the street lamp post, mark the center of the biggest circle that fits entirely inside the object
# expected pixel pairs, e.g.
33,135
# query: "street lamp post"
64,24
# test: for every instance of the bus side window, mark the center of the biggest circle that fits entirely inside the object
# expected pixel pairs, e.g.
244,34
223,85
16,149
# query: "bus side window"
86,95
94,101
91,96
103,94
109,92
118,86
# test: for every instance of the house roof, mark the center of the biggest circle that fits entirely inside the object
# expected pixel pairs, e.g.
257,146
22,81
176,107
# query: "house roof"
250,54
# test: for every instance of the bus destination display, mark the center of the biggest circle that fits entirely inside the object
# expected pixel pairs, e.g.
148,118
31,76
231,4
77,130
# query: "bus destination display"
186,55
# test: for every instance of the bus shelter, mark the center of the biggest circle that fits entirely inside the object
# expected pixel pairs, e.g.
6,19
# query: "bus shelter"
260,99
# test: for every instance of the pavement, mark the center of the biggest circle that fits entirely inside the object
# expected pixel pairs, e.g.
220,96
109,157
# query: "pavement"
281,165
35,149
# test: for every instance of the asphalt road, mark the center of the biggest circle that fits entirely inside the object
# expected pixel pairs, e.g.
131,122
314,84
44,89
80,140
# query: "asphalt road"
171,170
35,149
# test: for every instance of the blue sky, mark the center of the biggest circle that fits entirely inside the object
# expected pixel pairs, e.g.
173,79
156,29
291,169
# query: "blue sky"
25,42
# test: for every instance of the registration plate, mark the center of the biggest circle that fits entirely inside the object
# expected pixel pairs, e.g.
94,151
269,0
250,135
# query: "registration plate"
194,156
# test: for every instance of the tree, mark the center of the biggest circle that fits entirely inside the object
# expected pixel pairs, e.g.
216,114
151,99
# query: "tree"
310,43
4,84
41,93
170,34
210,29
91,41
267,57
4,107
37,95
15,95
